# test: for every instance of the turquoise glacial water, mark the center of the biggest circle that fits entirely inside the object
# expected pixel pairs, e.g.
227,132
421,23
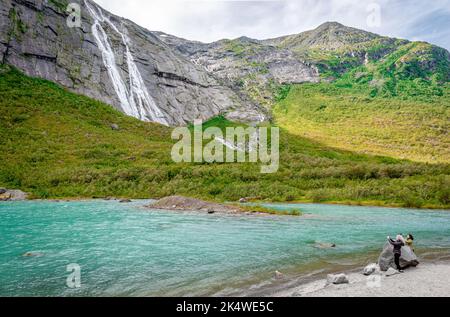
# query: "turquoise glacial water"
127,250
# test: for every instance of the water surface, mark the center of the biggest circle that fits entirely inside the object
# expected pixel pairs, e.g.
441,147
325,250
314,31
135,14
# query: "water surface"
127,250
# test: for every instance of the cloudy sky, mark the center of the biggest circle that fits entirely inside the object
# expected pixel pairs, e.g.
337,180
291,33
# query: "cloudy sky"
211,20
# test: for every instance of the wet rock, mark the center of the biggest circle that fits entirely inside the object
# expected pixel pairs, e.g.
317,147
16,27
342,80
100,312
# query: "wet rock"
243,200
32,254
2,191
125,201
279,275
320,245
337,279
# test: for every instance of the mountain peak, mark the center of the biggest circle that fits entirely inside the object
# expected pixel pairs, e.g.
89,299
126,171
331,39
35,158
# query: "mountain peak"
331,24
329,36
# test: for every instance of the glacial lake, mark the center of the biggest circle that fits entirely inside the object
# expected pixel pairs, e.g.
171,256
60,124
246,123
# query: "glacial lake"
128,250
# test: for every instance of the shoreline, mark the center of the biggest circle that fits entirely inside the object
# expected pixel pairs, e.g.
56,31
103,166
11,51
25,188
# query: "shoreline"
429,279
314,275
369,204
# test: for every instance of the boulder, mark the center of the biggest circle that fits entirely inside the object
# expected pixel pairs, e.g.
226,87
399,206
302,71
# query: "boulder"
125,201
386,260
337,279
2,191
12,195
371,269
243,200
320,245
279,275
5,196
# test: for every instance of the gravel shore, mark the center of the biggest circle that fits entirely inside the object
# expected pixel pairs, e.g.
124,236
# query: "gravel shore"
426,280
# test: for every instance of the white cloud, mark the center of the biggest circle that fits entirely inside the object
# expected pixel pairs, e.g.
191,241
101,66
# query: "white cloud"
211,20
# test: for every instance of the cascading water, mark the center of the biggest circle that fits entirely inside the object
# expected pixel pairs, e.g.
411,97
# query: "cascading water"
135,99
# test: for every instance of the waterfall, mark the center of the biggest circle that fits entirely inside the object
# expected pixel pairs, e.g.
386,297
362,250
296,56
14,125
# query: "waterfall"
135,99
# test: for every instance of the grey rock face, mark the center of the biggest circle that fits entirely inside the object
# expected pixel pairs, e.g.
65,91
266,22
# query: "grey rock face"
246,64
115,61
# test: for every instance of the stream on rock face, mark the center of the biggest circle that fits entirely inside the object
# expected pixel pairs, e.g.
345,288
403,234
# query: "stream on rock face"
134,97
128,250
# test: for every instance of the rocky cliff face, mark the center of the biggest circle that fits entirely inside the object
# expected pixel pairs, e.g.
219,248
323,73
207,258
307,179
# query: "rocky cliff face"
114,60
252,67
158,77
257,68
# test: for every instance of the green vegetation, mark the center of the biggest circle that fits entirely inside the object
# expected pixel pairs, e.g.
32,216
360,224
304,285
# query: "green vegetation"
60,4
265,210
17,27
348,117
56,144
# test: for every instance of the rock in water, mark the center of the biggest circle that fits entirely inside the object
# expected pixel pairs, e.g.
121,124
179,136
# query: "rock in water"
2,191
33,254
337,279
320,245
243,200
125,201
279,275
386,260
370,269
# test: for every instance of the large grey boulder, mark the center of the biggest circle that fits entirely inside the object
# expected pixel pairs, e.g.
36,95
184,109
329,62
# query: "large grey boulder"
386,260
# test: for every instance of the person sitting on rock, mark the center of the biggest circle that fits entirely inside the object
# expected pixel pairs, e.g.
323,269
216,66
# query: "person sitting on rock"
397,244
410,242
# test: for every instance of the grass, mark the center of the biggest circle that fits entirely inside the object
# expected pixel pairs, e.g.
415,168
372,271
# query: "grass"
349,118
270,211
56,144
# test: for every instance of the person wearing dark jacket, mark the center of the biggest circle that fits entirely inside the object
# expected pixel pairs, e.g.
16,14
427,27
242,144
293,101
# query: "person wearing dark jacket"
397,244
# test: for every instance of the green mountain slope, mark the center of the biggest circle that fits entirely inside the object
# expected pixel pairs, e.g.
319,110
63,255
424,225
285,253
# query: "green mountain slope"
56,144
379,95
346,115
